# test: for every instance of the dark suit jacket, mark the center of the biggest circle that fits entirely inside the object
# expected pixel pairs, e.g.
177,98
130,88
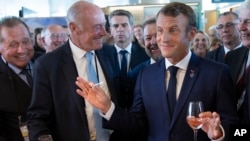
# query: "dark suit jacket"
247,102
132,76
15,96
138,56
236,60
56,108
217,55
204,80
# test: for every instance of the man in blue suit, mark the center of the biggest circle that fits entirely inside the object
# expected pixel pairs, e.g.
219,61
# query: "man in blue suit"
198,79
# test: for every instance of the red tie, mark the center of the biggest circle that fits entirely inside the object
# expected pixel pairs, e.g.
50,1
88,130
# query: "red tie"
241,85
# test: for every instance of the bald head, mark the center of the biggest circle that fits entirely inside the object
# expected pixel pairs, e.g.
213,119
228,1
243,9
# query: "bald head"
54,36
86,23
81,9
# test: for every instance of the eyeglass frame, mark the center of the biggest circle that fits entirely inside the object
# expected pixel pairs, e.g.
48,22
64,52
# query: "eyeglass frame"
58,35
227,25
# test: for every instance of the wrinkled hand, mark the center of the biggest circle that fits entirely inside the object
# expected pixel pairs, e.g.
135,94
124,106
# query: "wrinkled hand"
93,94
212,124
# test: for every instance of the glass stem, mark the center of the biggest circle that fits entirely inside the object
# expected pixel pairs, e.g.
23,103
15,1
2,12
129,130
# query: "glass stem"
195,134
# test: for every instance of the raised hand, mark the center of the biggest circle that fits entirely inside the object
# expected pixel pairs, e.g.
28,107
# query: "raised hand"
212,124
93,94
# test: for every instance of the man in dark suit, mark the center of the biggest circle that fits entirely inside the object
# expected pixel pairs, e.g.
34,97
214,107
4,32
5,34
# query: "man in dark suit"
15,90
176,27
229,35
121,27
55,107
238,61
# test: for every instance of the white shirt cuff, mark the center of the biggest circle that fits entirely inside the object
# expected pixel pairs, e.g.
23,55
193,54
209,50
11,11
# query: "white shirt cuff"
108,115
222,137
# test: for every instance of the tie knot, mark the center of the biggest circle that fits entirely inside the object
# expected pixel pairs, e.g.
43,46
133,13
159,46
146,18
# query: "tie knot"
123,52
173,70
89,56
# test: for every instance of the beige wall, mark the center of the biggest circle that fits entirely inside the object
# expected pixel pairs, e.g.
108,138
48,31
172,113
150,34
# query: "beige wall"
211,18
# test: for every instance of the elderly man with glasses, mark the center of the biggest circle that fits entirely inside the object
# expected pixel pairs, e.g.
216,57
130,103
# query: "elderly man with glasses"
229,35
54,36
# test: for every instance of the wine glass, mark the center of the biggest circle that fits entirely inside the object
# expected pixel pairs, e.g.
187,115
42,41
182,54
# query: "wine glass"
193,120
45,138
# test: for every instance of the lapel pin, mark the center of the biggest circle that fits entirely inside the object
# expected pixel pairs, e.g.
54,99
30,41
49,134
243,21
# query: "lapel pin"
191,73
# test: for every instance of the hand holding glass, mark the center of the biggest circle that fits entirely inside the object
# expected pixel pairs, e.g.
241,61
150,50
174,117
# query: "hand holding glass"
45,138
193,120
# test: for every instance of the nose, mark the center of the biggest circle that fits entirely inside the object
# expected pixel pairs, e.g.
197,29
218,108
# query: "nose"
153,39
21,48
120,27
165,36
103,31
241,26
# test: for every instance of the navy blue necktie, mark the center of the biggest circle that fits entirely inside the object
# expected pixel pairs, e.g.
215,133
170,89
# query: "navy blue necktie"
124,64
171,91
28,76
92,75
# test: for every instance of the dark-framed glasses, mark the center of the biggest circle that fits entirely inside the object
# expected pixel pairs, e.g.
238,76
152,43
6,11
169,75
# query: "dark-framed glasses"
227,25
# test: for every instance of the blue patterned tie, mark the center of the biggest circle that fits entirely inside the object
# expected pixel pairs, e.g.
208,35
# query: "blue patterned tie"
92,75
171,91
101,134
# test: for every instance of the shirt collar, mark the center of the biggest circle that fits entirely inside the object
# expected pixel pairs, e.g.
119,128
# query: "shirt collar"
128,48
77,52
14,68
183,64
227,50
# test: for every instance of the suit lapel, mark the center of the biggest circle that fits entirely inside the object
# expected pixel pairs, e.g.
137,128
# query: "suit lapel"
160,83
70,73
242,58
191,75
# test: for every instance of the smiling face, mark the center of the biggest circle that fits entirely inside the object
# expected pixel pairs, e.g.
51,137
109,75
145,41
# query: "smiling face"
55,36
173,37
244,26
200,44
151,46
16,48
88,27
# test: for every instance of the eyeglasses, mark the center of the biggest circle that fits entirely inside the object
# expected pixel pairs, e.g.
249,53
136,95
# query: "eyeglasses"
56,35
227,25
15,44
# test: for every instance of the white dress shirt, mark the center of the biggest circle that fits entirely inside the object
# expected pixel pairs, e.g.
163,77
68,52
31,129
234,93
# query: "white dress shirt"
81,66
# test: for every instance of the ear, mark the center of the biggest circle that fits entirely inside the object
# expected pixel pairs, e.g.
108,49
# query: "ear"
192,33
73,28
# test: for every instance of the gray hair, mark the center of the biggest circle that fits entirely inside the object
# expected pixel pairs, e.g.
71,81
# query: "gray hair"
11,21
245,4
